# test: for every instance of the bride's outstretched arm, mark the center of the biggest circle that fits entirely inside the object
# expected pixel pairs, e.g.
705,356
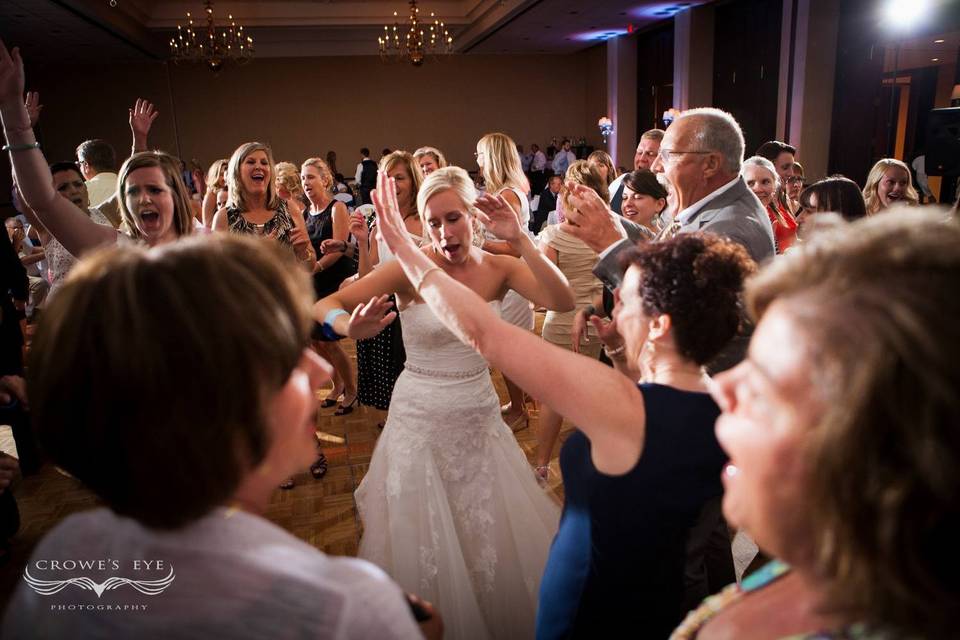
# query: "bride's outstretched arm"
536,278
602,402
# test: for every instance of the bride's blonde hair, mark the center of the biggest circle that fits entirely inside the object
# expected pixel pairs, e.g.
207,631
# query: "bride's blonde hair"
451,179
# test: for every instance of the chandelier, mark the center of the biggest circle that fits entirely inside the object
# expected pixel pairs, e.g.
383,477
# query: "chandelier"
211,46
412,43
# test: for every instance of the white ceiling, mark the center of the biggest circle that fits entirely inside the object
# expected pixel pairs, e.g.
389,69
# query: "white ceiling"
91,30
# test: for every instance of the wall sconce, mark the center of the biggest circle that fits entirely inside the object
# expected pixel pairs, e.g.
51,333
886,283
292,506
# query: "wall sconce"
606,127
669,116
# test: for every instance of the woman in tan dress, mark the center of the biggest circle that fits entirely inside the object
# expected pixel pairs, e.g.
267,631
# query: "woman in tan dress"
576,260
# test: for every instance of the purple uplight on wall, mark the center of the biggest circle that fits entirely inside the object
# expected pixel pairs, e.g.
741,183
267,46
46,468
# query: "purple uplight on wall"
661,10
599,35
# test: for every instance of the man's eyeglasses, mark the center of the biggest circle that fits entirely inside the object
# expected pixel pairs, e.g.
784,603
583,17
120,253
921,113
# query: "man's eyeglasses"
666,155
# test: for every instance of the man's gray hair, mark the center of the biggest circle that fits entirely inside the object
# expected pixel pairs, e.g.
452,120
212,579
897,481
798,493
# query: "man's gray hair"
717,130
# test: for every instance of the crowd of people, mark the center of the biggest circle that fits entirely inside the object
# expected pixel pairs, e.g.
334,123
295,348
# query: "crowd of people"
741,353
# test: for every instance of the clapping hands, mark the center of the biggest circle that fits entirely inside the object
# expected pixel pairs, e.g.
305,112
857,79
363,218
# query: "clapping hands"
358,227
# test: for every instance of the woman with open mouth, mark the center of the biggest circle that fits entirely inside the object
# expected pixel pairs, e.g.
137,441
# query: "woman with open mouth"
888,183
255,208
449,503
153,201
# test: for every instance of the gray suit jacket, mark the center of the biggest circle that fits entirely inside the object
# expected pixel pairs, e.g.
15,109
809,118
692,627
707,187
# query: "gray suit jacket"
735,214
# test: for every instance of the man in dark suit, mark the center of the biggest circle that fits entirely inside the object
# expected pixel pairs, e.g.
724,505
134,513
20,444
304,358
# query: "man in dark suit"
366,177
546,204
646,154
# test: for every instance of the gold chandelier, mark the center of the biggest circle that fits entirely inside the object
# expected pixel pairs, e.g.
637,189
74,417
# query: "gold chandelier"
414,42
211,46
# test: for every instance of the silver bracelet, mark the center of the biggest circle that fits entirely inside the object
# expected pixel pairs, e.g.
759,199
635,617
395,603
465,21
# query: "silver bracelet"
26,146
424,277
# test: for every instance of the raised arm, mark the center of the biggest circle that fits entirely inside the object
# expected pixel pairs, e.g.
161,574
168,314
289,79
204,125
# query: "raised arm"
501,247
64,220
536,278
142,115
603,403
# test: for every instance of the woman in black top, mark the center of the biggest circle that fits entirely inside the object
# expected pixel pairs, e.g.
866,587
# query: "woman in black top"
328,219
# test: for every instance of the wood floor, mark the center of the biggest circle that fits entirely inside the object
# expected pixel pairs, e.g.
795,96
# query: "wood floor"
321,512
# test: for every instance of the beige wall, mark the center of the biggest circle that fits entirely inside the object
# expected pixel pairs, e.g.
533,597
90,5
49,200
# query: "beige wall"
307,106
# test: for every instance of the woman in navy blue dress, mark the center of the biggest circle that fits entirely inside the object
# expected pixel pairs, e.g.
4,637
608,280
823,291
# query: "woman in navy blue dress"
642,476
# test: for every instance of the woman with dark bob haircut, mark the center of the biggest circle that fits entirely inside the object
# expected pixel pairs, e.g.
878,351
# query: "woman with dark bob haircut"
842,431
184,437
644,468
835,194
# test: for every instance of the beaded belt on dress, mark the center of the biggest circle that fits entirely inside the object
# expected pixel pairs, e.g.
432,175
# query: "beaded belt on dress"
433,373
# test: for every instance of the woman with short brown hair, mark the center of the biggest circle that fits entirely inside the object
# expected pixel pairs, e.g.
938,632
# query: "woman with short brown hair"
184,438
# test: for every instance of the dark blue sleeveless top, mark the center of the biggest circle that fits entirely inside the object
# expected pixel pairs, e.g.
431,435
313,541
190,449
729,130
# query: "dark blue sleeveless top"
616,567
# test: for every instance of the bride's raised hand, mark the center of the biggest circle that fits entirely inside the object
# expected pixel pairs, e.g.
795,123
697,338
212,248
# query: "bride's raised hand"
499,217
369,319
389,219
11,76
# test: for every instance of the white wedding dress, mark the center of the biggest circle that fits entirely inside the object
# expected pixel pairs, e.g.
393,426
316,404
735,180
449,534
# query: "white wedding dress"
450,506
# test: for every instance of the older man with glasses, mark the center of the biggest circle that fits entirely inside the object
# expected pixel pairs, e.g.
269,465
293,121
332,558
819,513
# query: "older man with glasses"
700,155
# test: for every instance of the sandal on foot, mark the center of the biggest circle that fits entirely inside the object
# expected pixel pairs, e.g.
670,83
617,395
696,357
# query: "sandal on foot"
287,484
343,409
543,473
319,468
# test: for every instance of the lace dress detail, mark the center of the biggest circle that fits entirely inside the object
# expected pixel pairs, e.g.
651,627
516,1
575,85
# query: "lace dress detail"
450,507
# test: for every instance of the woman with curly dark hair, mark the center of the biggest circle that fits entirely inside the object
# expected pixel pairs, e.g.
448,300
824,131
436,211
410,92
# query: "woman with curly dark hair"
643,471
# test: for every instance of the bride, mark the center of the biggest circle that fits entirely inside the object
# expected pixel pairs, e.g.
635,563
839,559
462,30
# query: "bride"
450,507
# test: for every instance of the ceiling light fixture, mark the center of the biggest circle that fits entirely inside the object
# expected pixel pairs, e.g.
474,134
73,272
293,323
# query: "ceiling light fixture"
211,46
413,43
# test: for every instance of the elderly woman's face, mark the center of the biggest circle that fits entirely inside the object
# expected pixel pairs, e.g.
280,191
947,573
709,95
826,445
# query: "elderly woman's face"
769,409
761,182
